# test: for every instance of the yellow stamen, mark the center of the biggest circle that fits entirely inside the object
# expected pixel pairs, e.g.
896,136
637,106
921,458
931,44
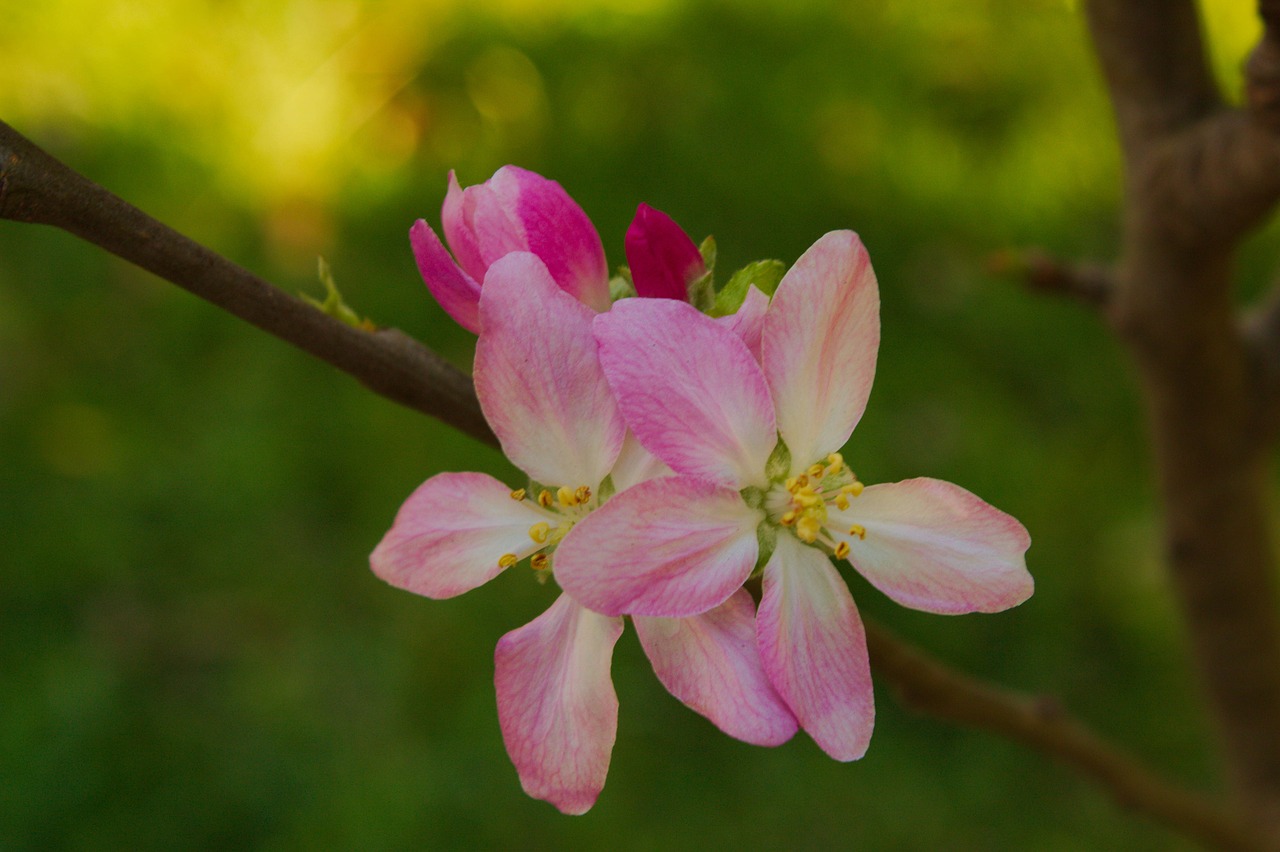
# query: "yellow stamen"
842,501
539,532
807,528
807,498
544,499
565,495
507,560
842,550
835,460
788,519
815,470
518,494
859,530
853,489
582,494
540,560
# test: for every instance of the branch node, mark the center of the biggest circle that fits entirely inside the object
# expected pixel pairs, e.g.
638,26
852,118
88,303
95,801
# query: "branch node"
1090,284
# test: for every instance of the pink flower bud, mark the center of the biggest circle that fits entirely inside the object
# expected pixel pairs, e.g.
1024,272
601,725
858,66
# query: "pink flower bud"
663,260
515,210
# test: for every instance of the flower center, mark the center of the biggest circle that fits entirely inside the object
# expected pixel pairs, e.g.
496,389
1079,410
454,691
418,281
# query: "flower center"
563,509
801,502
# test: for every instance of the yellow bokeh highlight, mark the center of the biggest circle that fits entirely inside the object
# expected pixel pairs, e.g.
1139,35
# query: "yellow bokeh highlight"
284,101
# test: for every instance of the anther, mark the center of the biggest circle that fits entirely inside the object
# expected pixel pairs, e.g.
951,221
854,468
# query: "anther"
853,489
788,519
582,494
842,550
507,560
539,532
565,495
544,499
842,501
815,470
859,530
518,494
540,561
807,529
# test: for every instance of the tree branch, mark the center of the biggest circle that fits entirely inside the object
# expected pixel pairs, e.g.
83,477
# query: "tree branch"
1198,176
926,686
35,187
1090,284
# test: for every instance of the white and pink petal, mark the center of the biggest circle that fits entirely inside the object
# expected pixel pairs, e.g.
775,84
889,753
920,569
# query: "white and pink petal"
450,534
554,228
933,546
748,321
556,705
814,648
689,389
456,291
539,380
711,663
819,345
670,547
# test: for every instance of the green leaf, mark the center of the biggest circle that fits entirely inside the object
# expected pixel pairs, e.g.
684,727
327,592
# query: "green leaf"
764,274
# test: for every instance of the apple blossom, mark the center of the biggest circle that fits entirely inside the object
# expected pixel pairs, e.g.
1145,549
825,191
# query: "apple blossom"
543,391
762,486
515,210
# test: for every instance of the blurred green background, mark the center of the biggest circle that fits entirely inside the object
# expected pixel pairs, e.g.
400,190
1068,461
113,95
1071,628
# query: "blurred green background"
193,652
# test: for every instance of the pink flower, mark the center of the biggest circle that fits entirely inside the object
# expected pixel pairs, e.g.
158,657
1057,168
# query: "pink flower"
663,260
542,389
754,442
515,210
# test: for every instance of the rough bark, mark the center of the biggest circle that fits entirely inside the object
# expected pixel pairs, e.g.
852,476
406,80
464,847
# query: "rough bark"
1199,176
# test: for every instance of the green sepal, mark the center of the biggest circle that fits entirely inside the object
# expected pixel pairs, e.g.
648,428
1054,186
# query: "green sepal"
607,489
764,274
708,252
767,541
333,303
779,463
620,285
702,290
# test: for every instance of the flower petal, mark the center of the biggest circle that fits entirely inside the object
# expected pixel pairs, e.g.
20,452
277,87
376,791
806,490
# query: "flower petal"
675,546
635,464
538,378
663,260
814,648
748,321
934,546
456,291
711,663
689,389
553,227
457,218
556,704
819,349
451,532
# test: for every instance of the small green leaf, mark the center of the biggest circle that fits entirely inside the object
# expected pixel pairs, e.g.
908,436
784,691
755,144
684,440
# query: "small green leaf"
764,274
333,303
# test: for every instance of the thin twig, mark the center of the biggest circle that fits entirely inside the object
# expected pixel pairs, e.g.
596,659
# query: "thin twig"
926,686
1091,284
36,188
